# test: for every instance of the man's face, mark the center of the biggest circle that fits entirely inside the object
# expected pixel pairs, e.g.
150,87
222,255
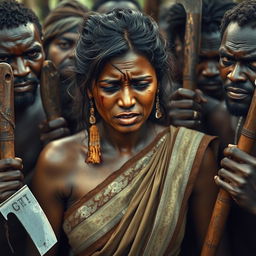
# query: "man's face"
208,74
238,67
61,50
110,5
21,47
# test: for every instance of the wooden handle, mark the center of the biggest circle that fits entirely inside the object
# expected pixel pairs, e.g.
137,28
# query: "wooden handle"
192,40
151,7
50,91
222,205
6,112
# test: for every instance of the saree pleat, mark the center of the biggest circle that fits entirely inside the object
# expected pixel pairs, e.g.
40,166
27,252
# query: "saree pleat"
137,210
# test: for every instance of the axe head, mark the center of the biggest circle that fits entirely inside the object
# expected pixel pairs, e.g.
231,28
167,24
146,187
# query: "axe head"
191,6
28,211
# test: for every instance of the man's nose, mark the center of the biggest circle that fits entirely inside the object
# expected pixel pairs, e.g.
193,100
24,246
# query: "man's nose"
126,99
211,69
236,74
20,67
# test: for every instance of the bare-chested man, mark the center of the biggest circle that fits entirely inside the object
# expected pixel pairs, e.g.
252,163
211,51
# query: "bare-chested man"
21,47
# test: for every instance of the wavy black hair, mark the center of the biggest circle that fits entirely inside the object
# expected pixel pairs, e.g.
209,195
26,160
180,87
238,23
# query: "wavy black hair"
105,36
14,14
244,14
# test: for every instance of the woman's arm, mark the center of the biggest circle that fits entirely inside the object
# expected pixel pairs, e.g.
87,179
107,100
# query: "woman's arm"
47,185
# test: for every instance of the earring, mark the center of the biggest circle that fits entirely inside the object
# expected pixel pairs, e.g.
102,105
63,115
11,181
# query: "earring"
158,113
94,152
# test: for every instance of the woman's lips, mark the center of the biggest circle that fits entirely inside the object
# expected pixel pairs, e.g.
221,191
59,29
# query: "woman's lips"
26,87
236,93
127,118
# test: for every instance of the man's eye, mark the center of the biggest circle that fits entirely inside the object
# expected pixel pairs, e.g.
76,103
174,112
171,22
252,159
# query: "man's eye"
252,65
224,61
140,85
4,59
64,45
33,54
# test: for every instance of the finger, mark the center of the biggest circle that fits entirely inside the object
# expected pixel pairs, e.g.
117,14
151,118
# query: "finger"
182,93
184,115
42,124
53,135
57,123
53,124
230,177
232,190
10,185
10,163
185,104
6,195
11,175
199,96
231,165
192,124
239,155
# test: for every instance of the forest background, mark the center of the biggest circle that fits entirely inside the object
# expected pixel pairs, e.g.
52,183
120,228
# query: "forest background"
42,7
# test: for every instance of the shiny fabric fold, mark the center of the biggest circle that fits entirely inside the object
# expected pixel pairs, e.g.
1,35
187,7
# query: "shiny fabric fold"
141,208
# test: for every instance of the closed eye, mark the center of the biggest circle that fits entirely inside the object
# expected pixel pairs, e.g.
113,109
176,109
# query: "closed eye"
141,86
110,89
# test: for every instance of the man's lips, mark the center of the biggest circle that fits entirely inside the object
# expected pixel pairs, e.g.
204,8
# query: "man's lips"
127,118
236,93
212,87
24,87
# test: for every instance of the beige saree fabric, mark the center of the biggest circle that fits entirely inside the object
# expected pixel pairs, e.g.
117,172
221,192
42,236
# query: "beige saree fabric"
141,208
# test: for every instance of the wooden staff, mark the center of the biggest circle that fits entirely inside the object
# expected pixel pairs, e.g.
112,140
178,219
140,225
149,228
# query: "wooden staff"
151,7
192,41
222,205
6,112
50,90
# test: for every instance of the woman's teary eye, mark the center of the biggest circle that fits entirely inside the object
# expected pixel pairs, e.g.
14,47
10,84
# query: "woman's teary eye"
110,88
141,85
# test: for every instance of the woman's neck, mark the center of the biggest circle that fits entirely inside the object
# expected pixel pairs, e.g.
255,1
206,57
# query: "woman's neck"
127,143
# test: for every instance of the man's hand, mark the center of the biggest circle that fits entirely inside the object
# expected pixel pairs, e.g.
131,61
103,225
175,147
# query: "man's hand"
11,177
238,177
53,130
185,108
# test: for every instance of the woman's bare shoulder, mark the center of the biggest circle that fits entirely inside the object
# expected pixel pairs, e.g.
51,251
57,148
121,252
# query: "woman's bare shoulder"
63,154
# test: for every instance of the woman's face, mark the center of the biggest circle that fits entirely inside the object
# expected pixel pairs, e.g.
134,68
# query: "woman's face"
125,92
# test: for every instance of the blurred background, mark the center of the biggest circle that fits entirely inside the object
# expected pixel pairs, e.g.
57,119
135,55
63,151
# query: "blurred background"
42,7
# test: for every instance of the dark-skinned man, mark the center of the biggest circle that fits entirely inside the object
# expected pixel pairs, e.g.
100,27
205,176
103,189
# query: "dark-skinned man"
21,47
238,173
104,6
185,106
61,31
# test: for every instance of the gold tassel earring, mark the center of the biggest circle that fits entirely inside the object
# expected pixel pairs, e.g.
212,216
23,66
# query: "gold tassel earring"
158,113
94,152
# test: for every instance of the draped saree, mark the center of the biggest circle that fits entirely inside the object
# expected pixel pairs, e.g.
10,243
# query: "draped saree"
141,208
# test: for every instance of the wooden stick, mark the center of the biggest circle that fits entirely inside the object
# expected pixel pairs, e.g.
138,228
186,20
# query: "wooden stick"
6,112
192,41
222,205
50,90
151,7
